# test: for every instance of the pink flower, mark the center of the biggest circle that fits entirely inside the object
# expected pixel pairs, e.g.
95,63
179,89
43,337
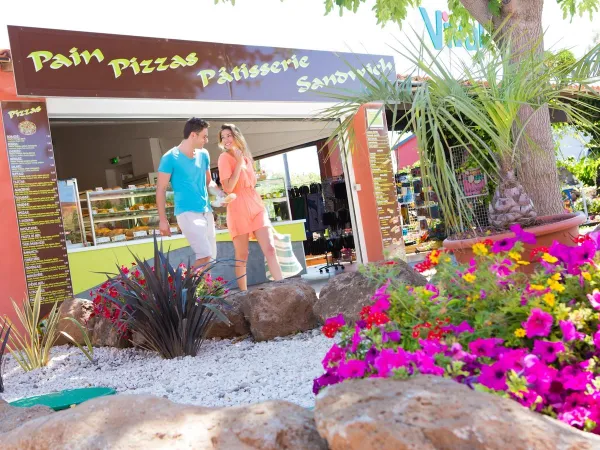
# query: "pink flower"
333,356
426,364
597,339
539,323
382,304
389,360
433,289
548,351
513,360
569,331
504,245
356,339
485,347
594,299
493,377
353,368
521,235
575,417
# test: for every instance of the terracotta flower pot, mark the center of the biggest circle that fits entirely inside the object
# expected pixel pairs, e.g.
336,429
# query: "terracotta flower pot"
549,231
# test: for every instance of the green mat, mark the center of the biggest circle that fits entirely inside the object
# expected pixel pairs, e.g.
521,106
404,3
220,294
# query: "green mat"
64,399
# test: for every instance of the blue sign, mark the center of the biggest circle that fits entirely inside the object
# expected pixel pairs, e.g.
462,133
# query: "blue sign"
436,29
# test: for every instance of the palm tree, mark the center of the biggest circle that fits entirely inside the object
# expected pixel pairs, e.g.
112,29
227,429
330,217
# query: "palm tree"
479,109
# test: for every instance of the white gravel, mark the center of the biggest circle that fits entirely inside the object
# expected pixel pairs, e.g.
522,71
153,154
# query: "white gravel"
222,374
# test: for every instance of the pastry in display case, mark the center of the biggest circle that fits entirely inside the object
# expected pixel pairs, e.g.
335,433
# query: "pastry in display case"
117,214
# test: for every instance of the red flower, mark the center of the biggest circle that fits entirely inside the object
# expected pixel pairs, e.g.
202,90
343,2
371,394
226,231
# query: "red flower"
377,318
536,251
330,330
364,312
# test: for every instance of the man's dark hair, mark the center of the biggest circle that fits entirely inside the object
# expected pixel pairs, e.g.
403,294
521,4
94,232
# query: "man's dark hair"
194,125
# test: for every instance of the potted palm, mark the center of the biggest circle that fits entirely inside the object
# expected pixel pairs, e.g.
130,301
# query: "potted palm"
478,106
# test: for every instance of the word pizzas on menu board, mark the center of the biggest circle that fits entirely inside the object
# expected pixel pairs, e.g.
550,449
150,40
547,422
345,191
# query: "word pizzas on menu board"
384,184
33,172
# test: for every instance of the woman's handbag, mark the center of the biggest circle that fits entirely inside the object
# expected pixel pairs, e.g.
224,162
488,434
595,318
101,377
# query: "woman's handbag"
290,266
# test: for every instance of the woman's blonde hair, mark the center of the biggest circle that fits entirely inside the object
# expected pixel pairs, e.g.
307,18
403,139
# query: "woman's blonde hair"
238,138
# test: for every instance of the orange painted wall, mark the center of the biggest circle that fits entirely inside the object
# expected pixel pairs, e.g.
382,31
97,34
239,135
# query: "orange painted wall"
12,272
366,196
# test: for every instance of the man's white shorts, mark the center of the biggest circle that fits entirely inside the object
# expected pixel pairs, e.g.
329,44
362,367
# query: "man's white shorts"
199,230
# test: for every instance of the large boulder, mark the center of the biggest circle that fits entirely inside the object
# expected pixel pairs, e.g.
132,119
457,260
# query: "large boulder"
12,417
142,422
432,413
238,325
80,310
105,334
280,309
349,292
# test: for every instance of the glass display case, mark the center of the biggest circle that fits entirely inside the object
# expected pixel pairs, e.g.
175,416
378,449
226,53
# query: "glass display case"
275,197
115,215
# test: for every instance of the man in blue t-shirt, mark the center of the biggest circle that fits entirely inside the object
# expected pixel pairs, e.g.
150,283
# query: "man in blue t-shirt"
187,167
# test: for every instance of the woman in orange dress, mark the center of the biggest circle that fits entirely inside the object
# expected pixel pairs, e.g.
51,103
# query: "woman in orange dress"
246,215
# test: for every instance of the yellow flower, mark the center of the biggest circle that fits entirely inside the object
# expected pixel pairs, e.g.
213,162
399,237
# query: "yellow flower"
555,286
469,277
434,256
515,255
549,258
536,287
555,277
520,333
480,249
446,259
586,276
549,299
523,263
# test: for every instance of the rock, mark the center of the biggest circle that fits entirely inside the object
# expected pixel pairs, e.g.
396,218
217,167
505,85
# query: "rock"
12,417
431,413
79,309
106,335
280,309
238,326
347,293
142,422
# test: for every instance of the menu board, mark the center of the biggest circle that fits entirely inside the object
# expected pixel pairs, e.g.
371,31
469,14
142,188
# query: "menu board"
33,172
384,184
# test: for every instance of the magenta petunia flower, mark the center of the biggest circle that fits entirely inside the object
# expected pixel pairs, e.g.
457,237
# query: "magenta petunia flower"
540,376
326,379
597,339
569,331
337,320
493,377
521,235
504,245
548,351
485,347
382,304
502,270
575,379
353,368
388,360
426,364
356,339
539,323
431,347
434,290
333,356
463,327
393,336
575,417
513,360
594,299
